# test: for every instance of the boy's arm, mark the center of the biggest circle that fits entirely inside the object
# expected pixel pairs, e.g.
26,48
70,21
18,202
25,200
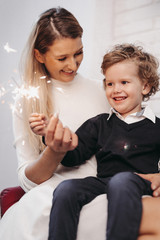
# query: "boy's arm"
87,145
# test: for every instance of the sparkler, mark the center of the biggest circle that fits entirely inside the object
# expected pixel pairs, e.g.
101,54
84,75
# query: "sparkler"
13,89
31,92
28,93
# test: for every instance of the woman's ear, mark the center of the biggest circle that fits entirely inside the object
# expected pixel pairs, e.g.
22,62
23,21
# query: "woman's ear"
38,56
146,88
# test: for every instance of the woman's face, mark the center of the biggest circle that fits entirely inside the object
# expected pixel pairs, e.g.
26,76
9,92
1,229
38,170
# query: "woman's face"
63,58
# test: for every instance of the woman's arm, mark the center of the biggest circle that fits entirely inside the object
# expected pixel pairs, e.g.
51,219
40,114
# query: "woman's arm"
44,167
33,167
59,140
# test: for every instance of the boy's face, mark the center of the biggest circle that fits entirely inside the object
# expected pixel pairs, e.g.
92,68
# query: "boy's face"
124,89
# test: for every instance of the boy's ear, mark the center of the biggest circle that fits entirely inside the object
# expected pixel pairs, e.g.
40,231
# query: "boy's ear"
38,56
146,88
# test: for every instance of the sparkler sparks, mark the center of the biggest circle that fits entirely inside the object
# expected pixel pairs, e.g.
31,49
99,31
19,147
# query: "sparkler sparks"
12,90
31,92
2,91
8,49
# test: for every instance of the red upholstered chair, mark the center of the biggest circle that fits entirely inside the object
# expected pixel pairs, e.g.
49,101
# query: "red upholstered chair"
9,196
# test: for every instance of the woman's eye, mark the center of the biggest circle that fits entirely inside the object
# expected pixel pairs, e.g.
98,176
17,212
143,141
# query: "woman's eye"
79,53
62,59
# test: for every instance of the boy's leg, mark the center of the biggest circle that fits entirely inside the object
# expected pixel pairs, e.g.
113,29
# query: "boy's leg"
68,199
124,192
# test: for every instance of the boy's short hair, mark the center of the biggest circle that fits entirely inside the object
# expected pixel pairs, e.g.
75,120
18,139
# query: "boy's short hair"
147,64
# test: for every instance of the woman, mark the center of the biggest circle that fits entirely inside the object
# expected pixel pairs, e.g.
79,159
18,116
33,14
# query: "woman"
53,55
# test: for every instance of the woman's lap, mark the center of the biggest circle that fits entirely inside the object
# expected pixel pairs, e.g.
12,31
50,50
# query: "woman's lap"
94,214
150,222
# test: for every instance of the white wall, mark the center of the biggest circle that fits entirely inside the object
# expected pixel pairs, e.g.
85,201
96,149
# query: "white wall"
16,20
105,22
139,22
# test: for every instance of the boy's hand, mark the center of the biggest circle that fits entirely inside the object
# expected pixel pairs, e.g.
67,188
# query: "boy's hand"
60,139
38,123
154,178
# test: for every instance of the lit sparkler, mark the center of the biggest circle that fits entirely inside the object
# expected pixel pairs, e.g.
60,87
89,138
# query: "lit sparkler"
12,90
28,93
31,92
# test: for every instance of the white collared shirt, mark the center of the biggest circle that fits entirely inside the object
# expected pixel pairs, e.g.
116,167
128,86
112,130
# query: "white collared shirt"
146,112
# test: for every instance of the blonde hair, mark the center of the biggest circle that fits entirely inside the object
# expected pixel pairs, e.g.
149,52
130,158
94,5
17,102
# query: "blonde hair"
147,64
53,24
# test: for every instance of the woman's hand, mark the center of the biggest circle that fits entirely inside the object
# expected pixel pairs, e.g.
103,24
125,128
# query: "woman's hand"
60,139
38,123
154,178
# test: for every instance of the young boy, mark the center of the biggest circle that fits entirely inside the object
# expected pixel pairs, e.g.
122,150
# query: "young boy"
125,142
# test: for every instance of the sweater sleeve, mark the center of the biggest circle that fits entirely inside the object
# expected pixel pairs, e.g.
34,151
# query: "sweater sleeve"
26,152
87,145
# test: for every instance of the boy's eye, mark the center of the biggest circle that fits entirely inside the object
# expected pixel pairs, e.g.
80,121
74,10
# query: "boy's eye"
109,84
124,82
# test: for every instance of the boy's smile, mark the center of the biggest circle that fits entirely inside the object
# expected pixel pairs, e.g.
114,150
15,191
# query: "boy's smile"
124,89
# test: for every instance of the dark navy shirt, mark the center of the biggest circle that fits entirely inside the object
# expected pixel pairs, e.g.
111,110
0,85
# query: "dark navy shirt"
118,146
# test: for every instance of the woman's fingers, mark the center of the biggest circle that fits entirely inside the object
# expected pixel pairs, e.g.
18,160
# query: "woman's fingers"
156,193
34,117
35,125
154,178
58,136
34,114
70,140
64,139
156,185
38,128
50,131
74,141
60,139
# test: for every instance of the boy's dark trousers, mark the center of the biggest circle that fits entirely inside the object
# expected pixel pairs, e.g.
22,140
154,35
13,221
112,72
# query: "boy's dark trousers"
124,192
